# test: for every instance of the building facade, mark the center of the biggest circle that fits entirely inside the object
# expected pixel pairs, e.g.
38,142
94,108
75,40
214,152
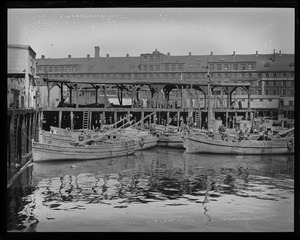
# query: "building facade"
271,76
21,74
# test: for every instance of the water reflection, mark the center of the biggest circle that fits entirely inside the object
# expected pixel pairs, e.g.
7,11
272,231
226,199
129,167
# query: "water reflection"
170,178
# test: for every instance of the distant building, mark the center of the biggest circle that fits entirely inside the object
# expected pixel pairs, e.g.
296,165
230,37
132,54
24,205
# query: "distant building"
21,72
271,75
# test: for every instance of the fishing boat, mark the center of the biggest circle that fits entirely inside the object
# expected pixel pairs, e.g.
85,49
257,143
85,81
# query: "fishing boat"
110,145
169,136
200,143
143,139
221,143
58,135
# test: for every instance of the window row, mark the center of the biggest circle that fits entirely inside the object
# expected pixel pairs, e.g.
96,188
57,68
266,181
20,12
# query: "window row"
49,69
151,58
232,66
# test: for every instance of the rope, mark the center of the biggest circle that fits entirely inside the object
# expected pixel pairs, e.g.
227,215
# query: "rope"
21,127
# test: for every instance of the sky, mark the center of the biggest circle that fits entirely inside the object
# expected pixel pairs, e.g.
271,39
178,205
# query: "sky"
56,33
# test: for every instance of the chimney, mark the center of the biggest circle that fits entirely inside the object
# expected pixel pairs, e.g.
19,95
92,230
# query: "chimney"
97,51
190,53
233,54
211,53
127,55
88,56
69,56
256,54
43,56
107,55
273,55
168,54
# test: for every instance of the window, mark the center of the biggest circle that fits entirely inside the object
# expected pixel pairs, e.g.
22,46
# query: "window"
291,92
225,66
211,66
267,92
151,67
74,69
267,83
173,76
173,67
259,92
261,100
288,75
274,92
219,66
250,75
45,69
283,83
271,74
250,66
135,76
280,75
62,69
151,58
67,69
50,69
263,75
167,67
292,83
234,75
270,99
180,67
283,92
188,76
291,103
243,66
243,75
145,58
55,69
157,67
226,75
235,66
218,75
145,67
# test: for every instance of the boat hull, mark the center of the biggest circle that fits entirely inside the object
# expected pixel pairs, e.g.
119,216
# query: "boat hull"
171,140
204,144
106,149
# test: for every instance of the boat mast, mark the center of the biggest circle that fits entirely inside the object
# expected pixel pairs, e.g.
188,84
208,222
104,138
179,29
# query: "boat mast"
209,107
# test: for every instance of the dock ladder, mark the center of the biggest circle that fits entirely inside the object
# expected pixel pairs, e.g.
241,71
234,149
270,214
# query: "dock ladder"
197,118
85,122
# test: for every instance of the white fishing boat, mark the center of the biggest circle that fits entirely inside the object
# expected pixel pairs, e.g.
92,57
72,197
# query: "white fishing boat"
169,136
143,139
111,145
200,143
221,143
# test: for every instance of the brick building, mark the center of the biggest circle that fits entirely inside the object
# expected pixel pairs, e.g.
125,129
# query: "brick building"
271,76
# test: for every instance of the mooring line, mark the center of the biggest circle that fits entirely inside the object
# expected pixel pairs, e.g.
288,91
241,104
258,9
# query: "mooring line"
10,182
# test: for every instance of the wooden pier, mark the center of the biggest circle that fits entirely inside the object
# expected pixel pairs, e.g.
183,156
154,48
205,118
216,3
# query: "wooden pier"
22,127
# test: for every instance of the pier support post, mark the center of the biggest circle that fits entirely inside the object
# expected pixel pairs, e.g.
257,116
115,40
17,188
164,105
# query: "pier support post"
59,118
226,118
178,118
72,120
142,117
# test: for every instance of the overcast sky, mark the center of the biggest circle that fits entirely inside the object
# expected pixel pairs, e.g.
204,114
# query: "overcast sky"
56,33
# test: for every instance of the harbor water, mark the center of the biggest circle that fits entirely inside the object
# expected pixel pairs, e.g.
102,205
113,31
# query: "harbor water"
159,190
